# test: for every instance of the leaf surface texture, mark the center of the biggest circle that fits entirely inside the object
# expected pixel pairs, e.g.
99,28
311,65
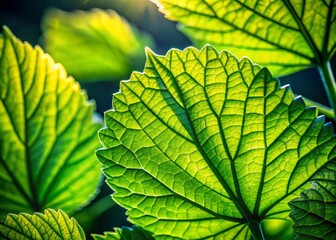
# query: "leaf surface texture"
47,136
285,36
134,233
200,144
49,225
314,213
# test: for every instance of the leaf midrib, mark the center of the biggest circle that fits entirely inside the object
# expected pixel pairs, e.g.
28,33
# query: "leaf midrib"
327,31
308,38
198,145
240,201
34,201
185,198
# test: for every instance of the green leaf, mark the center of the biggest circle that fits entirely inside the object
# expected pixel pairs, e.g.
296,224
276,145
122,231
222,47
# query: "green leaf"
134,233
47,137
314,213
285,36
202,145
94,45
50,225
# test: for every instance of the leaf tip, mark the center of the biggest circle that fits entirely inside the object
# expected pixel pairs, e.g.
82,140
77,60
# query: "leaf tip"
149,52
6,30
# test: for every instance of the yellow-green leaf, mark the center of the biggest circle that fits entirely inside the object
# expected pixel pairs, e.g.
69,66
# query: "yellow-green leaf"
201,146
134,233
94,45
285,36
47,136
50,225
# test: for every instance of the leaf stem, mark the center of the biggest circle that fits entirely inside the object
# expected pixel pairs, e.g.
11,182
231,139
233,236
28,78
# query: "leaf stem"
329,112
256,230
328,81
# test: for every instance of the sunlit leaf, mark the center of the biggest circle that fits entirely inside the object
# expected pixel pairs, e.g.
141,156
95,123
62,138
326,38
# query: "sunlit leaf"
134,233
285,36
94,45
202,145
47,137
314,213
50,225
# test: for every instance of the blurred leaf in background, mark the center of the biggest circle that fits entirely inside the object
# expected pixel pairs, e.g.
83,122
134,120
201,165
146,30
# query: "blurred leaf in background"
94,45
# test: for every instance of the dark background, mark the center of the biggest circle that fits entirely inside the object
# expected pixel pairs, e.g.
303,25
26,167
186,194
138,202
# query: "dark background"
24,18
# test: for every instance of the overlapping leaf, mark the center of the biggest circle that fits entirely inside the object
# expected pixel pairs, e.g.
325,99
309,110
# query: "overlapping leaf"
94,45
201,145
50,225
314,213
134,233
47,137
284,36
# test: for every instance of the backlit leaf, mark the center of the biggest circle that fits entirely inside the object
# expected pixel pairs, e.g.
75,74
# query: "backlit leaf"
50,225
47,137
285,36
201,145
314,213
134,233
94,45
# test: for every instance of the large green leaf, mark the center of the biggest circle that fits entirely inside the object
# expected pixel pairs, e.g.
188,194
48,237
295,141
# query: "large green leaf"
284,36
50,225
134,233
314,213
47,137
202,145
94,45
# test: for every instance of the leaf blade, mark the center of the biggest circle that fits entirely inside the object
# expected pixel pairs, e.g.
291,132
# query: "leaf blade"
135,233
313,213
93,45
45,147
280,35
49,225
200,144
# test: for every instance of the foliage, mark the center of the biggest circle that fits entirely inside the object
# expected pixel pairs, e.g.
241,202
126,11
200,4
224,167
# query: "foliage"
314,212
47,137
50,225
200,145
134,233
285,36
190,137
58,225
95,44
282,35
